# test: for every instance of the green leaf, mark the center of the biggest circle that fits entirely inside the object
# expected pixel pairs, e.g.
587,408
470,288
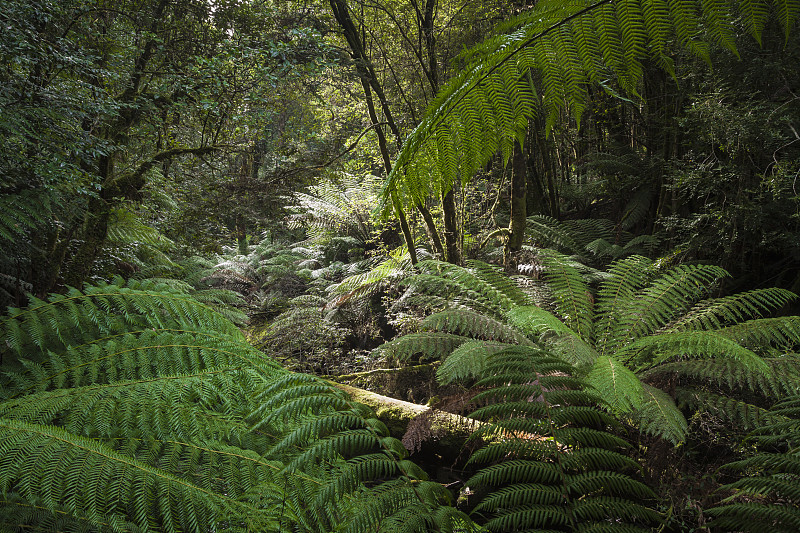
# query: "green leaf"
616,384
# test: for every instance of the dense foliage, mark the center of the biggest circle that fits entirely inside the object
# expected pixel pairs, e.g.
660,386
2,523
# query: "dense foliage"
567,232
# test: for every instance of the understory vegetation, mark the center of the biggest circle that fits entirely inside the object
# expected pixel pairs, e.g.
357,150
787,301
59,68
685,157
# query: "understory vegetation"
399,266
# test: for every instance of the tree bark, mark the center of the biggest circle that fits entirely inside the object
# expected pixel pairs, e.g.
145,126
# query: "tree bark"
519,193
451,230
398,414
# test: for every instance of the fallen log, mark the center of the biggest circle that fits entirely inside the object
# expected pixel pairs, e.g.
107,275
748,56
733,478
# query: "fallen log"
415,424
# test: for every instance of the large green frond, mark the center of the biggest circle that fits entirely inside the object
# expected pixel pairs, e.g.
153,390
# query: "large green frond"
782,379
731,411
573,300
545,327
550,464
653,350
659,416
668,296
616,384
567,46
52,466
78,317
467,361
734,309
761,334
469,323
427,346
767,497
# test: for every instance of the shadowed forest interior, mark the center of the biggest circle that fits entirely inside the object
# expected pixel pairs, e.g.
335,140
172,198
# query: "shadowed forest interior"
399,266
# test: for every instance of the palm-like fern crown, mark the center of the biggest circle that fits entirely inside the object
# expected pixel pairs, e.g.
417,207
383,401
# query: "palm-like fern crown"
545,62
135,407
601,238
646,324
340,204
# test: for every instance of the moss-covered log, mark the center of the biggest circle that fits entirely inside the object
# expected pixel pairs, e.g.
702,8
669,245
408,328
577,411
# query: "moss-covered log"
415,423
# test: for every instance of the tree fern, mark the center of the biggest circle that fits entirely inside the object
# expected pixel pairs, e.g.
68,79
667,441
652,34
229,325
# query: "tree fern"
552,464
645,326
137,408
767,496
488,106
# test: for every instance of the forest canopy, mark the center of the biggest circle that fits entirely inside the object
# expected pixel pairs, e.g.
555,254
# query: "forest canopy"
389,265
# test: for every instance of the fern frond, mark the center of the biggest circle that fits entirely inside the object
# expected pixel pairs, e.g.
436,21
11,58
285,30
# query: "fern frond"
125,227
755,517
406,505
429,345
391,270
616,384
494,277
659,416
716,313
783,377
135,355
616,293
467,361
769,496
77,317
571,294
468,323
653,350
665,298
781,333
737,412
294,398
547,232
539,324
95,481
553,460
177,407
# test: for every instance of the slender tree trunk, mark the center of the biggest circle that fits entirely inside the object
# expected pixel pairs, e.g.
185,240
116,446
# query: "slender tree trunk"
370,83
433,234
519,193
451,230
387,163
